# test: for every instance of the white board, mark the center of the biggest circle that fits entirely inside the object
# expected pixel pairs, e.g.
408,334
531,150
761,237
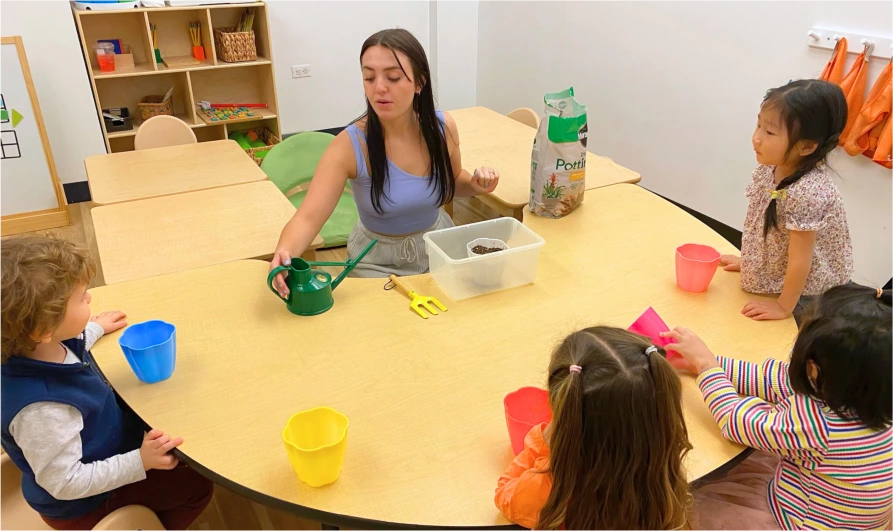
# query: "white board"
26,181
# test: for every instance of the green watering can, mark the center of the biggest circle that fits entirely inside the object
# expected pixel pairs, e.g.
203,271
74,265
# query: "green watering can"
310,290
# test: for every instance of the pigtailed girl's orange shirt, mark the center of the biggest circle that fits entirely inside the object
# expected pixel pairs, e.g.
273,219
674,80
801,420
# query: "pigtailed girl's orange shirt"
522,490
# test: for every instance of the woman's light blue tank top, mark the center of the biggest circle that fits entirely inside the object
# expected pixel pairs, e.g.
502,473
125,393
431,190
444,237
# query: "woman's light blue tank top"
410,202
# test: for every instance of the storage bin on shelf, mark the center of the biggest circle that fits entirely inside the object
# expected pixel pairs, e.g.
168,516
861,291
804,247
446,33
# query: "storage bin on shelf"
235,46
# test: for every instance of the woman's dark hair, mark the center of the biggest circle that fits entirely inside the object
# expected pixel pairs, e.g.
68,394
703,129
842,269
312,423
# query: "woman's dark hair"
441,174
847,334
618,435
809,109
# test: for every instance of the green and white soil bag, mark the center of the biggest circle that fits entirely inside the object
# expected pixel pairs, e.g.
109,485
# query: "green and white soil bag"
558,162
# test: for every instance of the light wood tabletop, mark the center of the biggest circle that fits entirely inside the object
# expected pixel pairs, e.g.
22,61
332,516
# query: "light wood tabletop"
488,138
427,438
131,175
161,235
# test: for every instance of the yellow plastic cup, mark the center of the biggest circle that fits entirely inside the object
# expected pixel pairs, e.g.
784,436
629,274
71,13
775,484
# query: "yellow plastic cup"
316,441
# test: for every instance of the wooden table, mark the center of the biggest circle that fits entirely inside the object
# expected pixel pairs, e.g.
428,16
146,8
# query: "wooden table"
488,138
132,175
427,439
161,235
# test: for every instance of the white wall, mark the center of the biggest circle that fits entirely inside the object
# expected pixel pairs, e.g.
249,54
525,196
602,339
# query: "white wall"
328,36
453,55
60,79
673,89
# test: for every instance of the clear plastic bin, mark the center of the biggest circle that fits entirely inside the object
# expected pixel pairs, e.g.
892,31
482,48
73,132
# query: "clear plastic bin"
462,277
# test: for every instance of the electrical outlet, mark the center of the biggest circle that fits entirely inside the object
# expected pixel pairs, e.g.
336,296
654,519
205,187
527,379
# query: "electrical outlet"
300,71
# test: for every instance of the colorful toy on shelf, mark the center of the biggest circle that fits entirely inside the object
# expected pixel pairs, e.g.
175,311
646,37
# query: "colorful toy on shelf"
223,114
206,105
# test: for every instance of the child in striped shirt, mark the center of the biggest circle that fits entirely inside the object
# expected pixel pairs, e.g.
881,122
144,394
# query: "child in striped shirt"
826,414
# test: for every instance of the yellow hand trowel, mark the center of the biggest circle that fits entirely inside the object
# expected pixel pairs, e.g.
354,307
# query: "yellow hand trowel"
418,301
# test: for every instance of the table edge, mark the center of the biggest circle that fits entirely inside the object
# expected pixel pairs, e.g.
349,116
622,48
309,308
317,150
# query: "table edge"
99,202
357,522
98,156
316,515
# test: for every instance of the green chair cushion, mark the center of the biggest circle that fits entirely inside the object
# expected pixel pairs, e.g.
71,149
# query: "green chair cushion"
292,162
336,230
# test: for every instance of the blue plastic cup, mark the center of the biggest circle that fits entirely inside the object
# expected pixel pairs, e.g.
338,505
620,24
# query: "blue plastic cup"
150,349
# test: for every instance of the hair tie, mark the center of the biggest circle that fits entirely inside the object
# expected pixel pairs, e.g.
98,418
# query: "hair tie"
775,194
575,368
880,292
650,350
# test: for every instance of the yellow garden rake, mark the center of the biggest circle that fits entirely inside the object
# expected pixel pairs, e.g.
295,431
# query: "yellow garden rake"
418,302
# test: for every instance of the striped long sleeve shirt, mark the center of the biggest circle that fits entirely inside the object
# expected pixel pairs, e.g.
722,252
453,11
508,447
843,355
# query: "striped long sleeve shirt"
834,473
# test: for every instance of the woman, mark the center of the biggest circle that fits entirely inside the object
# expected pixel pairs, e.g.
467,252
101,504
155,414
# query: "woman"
404,159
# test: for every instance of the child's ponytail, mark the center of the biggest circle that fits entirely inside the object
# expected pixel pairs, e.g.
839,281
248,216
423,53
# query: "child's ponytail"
617,437
811,110
566,449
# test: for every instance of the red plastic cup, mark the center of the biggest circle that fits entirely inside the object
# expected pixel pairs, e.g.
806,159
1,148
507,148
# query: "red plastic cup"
695,266
524,409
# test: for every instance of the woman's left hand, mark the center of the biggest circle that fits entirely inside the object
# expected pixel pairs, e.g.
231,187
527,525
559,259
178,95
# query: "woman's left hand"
764,311
484,180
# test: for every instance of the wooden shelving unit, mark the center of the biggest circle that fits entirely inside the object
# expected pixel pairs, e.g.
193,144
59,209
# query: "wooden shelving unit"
212,80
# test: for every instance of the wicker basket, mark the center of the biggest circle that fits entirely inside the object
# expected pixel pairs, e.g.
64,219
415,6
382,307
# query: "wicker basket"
155,106
268,137
235,46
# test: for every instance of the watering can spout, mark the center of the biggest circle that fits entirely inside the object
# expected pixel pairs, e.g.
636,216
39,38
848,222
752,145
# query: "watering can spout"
351,264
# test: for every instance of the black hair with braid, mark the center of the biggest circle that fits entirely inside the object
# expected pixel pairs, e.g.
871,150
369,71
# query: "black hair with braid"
811,110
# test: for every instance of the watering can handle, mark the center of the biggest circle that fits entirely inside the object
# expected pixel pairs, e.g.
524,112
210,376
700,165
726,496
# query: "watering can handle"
270,278
350,264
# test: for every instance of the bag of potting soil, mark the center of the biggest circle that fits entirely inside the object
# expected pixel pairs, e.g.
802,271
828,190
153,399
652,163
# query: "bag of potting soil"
558,162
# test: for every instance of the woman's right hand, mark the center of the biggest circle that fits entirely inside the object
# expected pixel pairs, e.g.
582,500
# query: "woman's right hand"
730,262
155,448
280,258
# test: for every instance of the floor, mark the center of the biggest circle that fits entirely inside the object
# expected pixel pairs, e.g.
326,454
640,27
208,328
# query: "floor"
229,510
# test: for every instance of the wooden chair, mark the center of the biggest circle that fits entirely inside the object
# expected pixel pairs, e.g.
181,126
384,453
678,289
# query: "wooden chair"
163,131
526,116
17,514
131,517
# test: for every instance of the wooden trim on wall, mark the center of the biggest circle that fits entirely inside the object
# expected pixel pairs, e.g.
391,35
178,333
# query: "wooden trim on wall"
31,221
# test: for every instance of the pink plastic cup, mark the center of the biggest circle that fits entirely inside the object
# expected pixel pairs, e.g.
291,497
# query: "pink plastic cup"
650,324
524,409
695,266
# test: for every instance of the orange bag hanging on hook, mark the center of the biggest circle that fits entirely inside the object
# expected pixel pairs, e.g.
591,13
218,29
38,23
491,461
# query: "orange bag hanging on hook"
833,71
884,148
867,129
853,86
883,155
